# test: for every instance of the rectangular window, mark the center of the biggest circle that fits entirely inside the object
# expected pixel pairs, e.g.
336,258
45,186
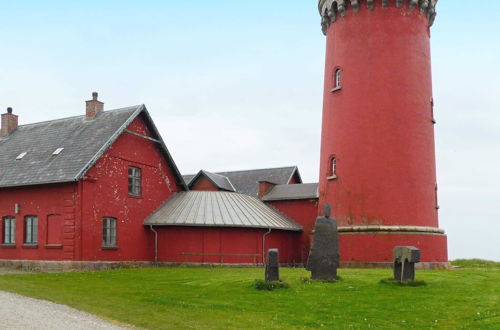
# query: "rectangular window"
9,230
109,232
134,181
31,230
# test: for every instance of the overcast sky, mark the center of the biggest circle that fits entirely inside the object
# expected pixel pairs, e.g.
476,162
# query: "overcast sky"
238,85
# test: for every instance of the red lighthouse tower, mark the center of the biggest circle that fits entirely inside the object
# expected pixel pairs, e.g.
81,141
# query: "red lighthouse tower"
378,166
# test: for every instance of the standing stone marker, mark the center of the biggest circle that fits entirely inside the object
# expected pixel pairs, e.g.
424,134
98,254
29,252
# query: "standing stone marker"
324,255
272,266
405,258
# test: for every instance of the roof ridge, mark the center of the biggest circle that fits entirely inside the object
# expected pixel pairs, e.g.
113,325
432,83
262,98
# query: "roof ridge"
80,116
258,169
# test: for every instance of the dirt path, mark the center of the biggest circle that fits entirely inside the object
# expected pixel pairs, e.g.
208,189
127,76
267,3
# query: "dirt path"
18,312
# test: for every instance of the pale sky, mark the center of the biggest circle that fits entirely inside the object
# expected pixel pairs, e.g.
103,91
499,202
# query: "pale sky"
238,85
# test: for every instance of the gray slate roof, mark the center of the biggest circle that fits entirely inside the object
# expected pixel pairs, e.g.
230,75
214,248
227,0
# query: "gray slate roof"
246,182
292,192
220,181
219,209
84,142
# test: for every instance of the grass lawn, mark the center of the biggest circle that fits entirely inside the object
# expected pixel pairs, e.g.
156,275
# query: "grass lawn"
185,297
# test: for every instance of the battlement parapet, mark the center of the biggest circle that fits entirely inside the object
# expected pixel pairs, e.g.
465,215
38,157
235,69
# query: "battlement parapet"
330,10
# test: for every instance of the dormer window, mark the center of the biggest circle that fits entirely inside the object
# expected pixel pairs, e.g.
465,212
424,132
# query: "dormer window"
57,151
21,155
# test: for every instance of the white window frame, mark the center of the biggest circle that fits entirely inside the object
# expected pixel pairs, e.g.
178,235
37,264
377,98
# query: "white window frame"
109,232
9,230
338,76
134,181
31,230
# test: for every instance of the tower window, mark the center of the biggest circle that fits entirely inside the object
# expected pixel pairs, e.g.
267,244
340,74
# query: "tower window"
332,168
337,80
432,111
436,196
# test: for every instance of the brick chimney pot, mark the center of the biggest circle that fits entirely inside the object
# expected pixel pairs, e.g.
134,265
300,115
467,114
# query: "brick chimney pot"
9,122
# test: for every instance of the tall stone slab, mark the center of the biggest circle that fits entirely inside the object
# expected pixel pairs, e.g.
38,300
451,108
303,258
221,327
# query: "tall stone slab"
324,256
272,266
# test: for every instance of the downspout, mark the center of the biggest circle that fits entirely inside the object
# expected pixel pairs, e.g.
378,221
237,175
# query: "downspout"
264,246
156,243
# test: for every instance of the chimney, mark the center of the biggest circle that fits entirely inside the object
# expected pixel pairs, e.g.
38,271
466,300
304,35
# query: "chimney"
265,187
9,122
94,107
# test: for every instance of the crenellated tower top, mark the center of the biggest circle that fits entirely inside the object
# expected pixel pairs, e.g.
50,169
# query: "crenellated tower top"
331,9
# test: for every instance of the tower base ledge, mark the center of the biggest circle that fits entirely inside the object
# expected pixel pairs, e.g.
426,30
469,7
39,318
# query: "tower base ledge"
377,247
373,265
380,229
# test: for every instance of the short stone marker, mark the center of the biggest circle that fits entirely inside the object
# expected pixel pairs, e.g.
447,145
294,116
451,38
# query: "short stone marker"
405,258
272,266
324,255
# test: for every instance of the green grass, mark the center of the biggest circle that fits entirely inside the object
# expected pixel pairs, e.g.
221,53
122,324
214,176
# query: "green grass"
475,263
212,298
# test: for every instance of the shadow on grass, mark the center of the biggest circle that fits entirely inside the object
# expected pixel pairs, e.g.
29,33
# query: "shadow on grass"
269,286
391,281
310,280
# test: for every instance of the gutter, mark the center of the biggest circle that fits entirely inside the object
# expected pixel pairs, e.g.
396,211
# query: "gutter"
156,243
264,246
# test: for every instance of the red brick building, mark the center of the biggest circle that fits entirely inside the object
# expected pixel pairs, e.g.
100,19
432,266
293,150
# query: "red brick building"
101,186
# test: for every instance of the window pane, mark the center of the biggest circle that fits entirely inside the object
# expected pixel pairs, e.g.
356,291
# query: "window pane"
109,232
9,230
134,181
34,232
28,230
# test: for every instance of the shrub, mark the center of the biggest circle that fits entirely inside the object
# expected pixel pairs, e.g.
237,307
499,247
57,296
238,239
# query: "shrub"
263,285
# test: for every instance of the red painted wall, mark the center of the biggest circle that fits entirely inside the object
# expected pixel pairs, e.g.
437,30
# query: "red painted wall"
379,125
304,212
204,184
57,203
105,194
433,248
81,206
173,241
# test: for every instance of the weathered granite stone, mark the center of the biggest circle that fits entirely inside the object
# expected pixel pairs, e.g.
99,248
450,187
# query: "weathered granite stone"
405,258
324,256
272,266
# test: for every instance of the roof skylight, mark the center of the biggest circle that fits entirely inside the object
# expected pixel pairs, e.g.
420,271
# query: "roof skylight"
57,152
21,155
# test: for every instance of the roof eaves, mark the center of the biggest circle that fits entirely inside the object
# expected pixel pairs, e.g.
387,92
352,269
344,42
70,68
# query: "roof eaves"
271,199
37,184
294,228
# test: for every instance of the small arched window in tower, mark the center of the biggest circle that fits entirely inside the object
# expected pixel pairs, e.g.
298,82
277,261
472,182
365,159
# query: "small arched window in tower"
332,168
436,196
337,79
432,111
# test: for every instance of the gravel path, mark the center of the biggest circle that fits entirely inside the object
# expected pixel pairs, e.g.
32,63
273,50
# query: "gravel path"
18,312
